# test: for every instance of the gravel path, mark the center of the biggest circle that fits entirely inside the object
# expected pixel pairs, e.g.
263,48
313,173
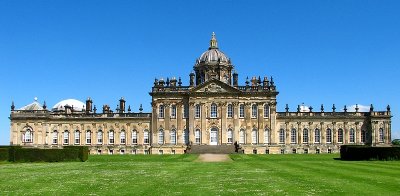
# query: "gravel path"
213,158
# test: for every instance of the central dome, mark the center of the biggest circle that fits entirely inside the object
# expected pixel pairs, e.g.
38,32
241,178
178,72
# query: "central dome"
76,104
213,55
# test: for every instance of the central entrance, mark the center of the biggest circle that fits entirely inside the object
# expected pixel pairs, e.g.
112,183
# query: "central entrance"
214,136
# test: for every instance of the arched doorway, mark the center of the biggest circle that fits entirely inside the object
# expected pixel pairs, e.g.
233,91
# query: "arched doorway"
214,136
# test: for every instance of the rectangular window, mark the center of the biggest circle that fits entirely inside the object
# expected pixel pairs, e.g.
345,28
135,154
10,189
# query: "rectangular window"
173,137
254,136
230,111
77,137
134,137
282,136
122,137
100,137
111,137
197,111
146,139
161,111
173,111
242,137
340,136
266,111
197,136
88,137
305,151
254,111
214,110
241,111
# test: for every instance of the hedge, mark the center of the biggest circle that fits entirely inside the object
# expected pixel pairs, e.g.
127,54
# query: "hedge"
357,153
3,154
70,153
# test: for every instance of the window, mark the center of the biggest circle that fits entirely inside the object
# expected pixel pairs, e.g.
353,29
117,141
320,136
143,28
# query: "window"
185,111
111,151
317,151
230,136
351,135
88,137
134,151
197,136
254,136
146,152
254,111
317,136
55,137
329,151
294,151
160,152
173,136
161,111
266,111
293,136
161,136
146,138
77,137
66,137
242,137
241,111
328,136
214,113
122,151
254,151
100,137
198,111
134,137
266,136
122,137
267,151
305,151
381,135
185,136
111,137
282,151
363,136
98,151
340,136
173,111
281,136
28,136
305,136
230,111
173,152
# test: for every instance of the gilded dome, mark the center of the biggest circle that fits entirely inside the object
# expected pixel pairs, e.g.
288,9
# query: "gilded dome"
213,55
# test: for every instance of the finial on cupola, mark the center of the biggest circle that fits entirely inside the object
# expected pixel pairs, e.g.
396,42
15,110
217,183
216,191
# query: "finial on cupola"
213,42
272,81
310,108
94,109
179,82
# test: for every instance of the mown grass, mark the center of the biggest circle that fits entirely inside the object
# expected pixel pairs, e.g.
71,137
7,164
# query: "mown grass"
179,175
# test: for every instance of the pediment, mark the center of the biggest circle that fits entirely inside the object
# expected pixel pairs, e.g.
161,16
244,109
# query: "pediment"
214,86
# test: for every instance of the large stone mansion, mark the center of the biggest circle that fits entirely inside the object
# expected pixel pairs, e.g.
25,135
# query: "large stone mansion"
213,110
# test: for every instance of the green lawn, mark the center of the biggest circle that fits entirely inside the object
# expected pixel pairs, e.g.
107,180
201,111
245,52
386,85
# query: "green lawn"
179,175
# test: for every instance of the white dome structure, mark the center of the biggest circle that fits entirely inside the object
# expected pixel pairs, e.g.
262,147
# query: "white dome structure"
76,104
213,56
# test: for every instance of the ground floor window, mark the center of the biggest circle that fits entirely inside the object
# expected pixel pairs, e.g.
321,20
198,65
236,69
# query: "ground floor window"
329,151
254,151
254,137
197,136
66,137
242,136
134,151
28,136
146,138
111,151
381,135
173,152
305,151
88,137
340,136
317,151
122,151
55,137
160,152
352,135
294,151
363,136
77,137
328,136
267,151
282,136
230,136
173,136
282,151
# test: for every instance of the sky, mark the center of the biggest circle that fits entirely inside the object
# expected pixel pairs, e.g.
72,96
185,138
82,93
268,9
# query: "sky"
327,52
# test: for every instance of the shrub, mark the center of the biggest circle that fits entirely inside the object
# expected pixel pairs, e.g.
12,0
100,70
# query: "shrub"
356,153
3,154
68,153
83,152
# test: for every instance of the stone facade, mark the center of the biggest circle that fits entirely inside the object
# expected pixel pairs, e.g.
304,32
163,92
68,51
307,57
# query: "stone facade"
213,110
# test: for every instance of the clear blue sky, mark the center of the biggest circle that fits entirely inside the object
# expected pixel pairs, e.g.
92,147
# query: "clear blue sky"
319,52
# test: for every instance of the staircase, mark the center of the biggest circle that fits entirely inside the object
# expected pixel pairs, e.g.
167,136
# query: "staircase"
207,149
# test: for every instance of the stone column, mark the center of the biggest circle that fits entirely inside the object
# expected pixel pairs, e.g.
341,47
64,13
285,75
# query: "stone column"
204,115
346,133
179,126
191,127
222,133
247,115
272,123
260,118
236,127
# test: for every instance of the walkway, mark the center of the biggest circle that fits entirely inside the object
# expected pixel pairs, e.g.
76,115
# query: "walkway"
213,158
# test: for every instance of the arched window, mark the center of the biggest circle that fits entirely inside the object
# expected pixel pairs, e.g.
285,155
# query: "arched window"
241,111
197,136
111,137
198,111
328,136
185,136
134,137
266,136
55,137
66,137
173,136
281,136
161,136
242,136
230,111
88,137
161,111
146,137
363,136
254,111
214,112
352,135
122,137
254,136
230,136
77,137
173,111
293,136
317,136
305,136
100,137
340,136
28,136
266,111
381,135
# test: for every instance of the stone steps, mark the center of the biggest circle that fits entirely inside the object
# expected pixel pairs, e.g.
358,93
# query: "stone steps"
207,149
